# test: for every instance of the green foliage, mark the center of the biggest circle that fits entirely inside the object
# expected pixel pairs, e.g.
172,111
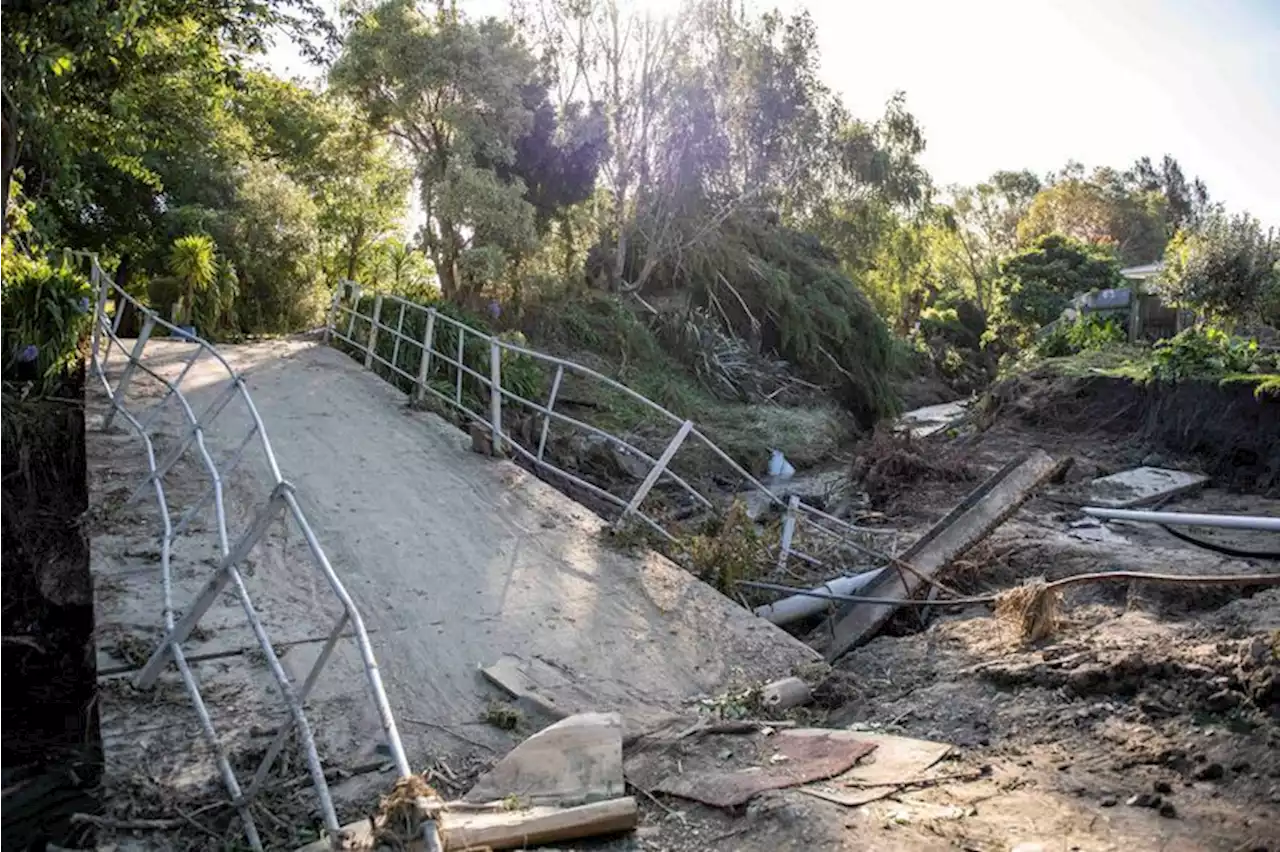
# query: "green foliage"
521,375
1104,209
735,550
453,91
1038,282
780,290
47,313
1090,332
1207,353
1228,268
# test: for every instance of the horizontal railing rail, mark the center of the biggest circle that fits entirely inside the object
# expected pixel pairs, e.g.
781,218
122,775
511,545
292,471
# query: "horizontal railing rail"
363,333
279,501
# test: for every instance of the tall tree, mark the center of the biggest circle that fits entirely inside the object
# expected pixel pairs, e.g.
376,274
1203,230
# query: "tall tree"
452,91
1228,267
1187,203
1100,209
66,64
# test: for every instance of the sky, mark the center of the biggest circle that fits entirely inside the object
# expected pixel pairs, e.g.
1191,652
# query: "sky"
1003,84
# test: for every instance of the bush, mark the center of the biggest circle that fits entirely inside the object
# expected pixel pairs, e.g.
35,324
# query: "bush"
1207,353
521,374
47,312
1089,333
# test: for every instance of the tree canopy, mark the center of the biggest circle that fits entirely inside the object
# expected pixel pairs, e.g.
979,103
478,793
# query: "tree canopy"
695,169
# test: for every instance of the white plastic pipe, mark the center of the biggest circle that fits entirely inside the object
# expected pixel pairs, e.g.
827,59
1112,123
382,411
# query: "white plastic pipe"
1186,519
797,607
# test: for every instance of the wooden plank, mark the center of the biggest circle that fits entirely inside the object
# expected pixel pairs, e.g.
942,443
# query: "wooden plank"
982,511
508,829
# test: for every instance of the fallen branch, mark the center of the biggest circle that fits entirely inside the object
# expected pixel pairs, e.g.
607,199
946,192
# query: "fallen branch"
128,824
731,726
453,733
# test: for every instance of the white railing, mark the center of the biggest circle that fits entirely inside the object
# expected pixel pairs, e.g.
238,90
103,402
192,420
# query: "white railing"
279,502
425,367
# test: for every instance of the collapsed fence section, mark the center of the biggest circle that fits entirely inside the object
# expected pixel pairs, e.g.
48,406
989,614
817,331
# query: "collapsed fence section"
179,619
517,401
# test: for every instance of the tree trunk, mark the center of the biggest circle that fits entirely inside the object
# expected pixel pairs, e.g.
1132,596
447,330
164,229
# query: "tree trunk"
8,157
353,252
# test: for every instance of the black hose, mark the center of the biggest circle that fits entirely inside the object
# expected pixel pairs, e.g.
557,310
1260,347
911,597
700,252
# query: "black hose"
1223,549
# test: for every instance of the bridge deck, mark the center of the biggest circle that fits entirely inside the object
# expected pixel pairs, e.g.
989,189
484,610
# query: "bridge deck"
454,560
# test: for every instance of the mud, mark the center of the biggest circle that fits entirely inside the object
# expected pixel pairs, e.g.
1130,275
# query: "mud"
1231,432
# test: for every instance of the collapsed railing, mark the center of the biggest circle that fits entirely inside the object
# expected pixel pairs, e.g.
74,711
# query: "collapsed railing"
366,334
281,502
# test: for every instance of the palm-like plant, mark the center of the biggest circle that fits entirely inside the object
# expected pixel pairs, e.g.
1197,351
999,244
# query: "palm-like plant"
193,263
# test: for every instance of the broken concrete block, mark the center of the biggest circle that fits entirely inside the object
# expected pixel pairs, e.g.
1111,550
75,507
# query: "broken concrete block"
1141,486
576,760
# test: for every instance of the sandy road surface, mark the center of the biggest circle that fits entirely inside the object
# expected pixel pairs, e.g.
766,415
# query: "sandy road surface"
453,559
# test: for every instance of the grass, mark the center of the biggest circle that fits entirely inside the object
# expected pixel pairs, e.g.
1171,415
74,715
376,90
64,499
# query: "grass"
1135,363
1124,361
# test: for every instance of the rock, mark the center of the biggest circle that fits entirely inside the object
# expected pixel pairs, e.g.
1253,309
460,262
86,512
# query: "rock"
1209,772
1163,787
1221,701
1168,811
1254,652
1081,470
1144,800
1029,847
1107,801
630,463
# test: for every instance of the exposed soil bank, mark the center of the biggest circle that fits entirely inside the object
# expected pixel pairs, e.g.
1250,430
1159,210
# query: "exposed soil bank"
51,744
1234,434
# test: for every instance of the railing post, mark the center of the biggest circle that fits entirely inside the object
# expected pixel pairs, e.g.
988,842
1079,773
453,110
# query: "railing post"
331,321
98,278
123,387
373,331
551,404
395,351
495,393
355,309
788,531
424,367
656,471
462,330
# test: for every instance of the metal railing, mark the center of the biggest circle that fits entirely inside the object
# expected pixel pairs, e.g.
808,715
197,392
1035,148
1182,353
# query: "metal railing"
280,503
433,367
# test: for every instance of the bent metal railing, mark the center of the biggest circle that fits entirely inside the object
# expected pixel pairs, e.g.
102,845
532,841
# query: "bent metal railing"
363,332
280,502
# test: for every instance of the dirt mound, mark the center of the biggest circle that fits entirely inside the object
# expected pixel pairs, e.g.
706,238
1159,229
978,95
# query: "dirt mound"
1211,677
1233,434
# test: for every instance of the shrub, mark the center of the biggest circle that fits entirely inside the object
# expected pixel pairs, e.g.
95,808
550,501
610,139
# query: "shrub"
521,374
1088,333
1207,353
47,312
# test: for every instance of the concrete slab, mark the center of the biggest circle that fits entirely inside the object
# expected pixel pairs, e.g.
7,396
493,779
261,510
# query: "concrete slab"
454,560
982,511
1141,486
923,422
